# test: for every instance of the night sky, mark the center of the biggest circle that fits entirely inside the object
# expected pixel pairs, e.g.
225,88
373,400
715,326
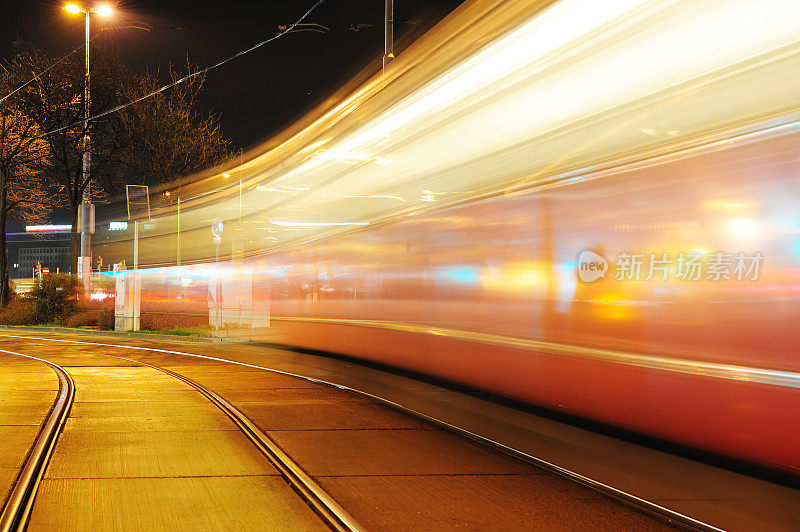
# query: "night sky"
260,93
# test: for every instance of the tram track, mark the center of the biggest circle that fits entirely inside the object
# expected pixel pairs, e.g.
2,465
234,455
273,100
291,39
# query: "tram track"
328,510
17,509
323,504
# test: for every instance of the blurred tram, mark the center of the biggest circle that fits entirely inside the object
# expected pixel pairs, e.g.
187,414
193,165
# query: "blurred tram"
590,206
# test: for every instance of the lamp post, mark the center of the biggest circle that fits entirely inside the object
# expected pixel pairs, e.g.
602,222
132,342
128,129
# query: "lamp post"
388,33
178,221
86,210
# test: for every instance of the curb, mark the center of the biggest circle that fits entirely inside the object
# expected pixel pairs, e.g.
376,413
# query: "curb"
128,335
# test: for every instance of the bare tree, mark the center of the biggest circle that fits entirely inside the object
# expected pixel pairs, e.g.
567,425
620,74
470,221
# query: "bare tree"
55,102
152,135
24,194
164,137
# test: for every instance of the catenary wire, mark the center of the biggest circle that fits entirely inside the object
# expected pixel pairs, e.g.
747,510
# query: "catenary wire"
192,74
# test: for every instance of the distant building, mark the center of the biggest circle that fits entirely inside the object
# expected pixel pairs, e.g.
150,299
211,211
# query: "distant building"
48,245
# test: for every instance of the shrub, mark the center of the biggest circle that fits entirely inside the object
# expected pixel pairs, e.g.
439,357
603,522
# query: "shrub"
55,296
100,318
173,323
159,321
18,312
105,319
91,304
83,318
182,313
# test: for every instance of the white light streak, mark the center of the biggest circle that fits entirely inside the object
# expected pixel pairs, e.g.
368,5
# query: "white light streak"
282,223
40,228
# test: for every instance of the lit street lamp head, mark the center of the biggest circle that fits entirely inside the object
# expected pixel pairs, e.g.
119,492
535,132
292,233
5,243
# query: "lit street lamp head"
104,10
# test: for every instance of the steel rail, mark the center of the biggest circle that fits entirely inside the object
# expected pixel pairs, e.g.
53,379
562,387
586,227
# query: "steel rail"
320,501
630,500
17,510
647,506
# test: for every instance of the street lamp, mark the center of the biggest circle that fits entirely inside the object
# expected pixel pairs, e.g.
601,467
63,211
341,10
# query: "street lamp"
178,220
85,263
169,195
388,33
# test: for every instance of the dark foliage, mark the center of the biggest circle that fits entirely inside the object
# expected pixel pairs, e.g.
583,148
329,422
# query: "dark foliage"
18,312
55,297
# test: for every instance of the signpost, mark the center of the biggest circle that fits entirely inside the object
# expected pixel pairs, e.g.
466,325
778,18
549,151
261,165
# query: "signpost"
128,297
216,232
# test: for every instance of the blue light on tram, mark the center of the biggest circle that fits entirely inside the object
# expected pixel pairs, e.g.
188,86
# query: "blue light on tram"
458,275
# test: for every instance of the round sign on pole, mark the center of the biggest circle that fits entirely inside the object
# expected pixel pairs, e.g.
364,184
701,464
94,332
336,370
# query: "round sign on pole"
45,269
216,228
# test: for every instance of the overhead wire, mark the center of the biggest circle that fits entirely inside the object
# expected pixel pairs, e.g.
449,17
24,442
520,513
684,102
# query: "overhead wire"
194,74
40,74
64,58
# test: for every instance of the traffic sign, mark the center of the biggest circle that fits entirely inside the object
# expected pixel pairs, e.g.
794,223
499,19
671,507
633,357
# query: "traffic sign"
216,228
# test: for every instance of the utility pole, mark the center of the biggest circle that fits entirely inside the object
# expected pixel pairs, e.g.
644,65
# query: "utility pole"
86,212
86,235
388,34
178,250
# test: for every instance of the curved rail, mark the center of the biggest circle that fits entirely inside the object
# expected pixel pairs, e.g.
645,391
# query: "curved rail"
267,446
647,506
17,509
319,501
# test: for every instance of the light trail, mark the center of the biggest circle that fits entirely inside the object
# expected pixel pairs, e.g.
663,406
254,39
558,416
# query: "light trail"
559,90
